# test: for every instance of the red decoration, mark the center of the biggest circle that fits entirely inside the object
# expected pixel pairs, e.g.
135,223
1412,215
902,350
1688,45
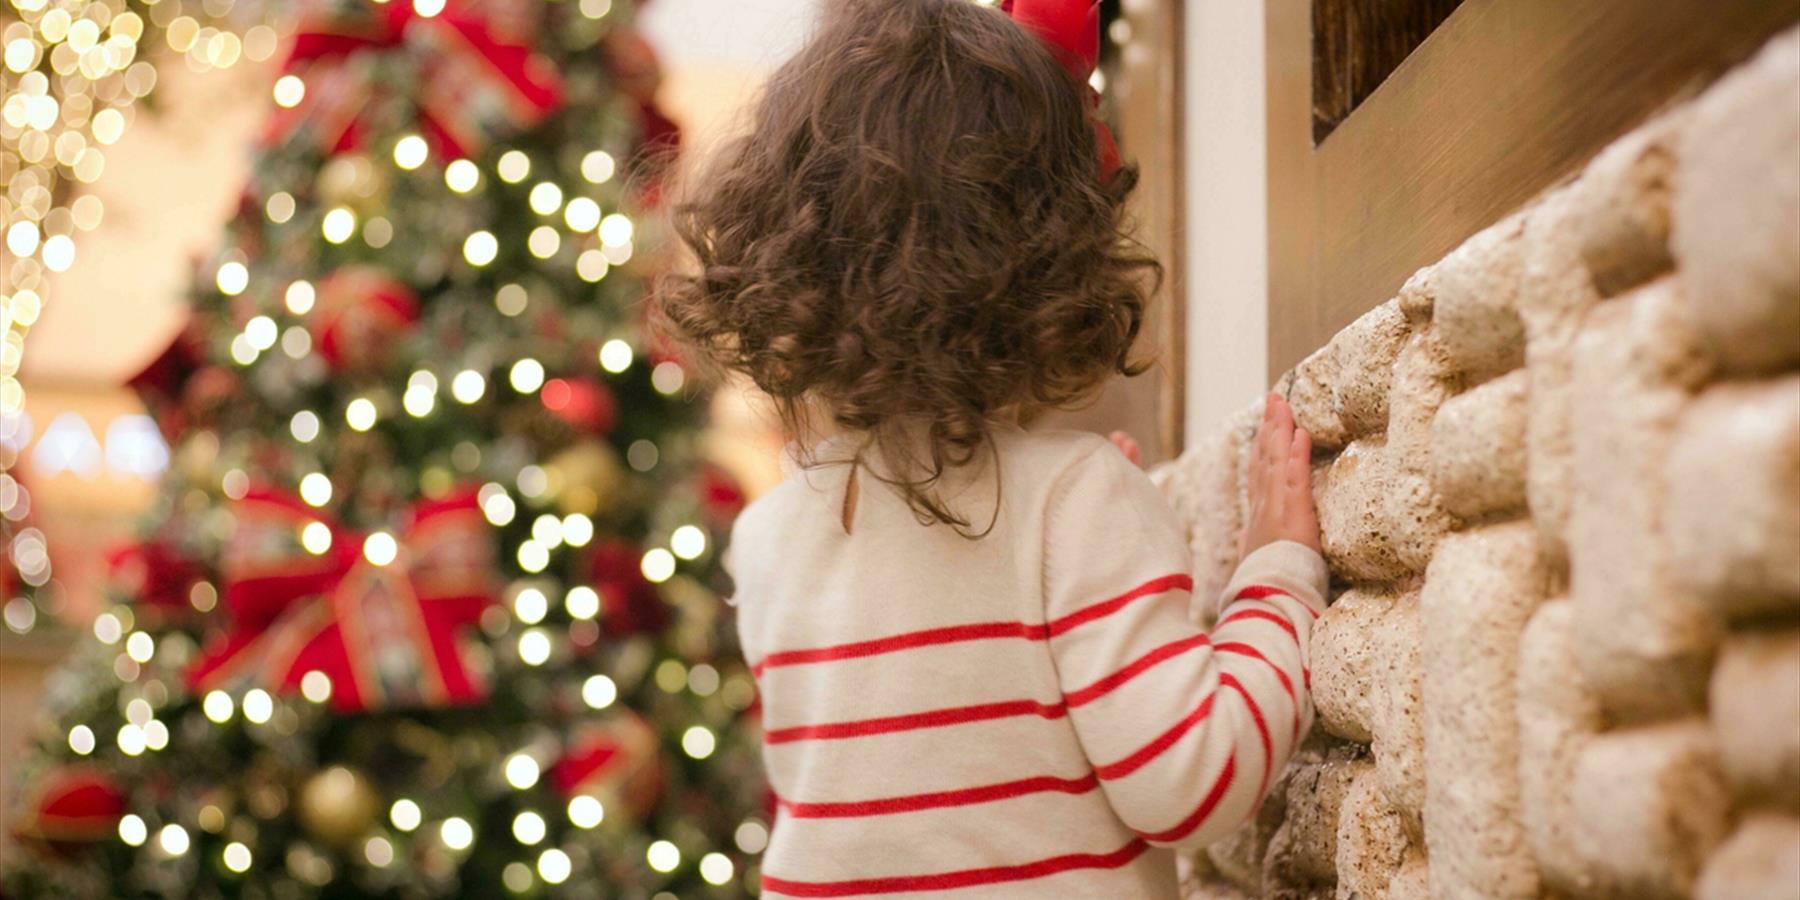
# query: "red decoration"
478,77
359,309
154,575
618,760
387,635
585,404
162,383
629,603
1071,31
721,497
71,806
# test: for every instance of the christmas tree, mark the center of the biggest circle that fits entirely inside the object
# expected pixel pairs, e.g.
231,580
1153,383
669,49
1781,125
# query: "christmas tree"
427,606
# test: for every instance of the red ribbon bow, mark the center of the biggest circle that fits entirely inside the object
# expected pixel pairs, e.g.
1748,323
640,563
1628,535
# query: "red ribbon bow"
387,635
1071,30
475,83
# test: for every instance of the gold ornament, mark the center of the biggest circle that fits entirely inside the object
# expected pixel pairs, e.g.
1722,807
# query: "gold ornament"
338,806
586,478
353,180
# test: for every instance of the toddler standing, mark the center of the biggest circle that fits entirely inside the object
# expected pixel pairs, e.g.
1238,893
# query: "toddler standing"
978,673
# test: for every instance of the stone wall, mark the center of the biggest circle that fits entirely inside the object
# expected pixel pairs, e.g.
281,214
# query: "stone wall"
1559,483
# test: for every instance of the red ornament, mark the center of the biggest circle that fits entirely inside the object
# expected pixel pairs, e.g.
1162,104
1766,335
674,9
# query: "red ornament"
154,576
359,310
386,621
629,603
585,404
161,384
721,496
618,760
479,77
72,806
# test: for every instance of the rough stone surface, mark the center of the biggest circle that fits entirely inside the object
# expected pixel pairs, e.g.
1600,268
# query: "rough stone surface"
1476,310
1558,717
1647,642
1479,592
1737,211
1733,479
1648,806
1761,861
1558,480
1755,714
1478,449
1624,217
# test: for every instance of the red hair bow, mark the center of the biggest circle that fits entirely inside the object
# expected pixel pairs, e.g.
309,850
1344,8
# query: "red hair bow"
1071,30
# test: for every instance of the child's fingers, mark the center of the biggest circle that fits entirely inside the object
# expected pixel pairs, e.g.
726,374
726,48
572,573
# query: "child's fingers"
1128,446
1299,463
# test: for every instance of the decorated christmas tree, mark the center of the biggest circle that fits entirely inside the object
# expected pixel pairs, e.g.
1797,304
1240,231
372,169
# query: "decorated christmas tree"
427,606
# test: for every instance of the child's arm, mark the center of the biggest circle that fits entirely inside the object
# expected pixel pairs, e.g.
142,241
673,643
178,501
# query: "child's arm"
1185,732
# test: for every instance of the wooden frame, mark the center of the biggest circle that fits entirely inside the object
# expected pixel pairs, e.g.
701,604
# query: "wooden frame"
1504,99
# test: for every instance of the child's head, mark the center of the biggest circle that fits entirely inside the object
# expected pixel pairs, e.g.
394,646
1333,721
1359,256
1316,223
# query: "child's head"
913,240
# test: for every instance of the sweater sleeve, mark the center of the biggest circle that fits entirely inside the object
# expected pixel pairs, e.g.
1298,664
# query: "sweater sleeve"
1184,730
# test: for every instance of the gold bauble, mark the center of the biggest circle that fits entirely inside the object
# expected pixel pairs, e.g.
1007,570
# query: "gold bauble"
337,806
586,478
355,181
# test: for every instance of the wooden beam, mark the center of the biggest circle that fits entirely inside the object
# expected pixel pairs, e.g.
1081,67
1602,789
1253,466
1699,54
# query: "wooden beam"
1501,101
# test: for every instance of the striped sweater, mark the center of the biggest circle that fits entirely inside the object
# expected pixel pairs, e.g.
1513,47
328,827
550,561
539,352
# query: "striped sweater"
1032,714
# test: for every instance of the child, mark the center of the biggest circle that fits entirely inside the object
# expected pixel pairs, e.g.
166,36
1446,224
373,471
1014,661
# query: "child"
977,670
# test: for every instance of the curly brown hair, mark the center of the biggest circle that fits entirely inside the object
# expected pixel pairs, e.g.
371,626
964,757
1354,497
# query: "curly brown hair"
913,240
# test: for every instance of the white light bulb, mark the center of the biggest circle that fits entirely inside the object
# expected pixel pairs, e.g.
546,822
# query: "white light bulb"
586,811
173,838
380,548
534,647
315,489
554,866
599,692
716,868
527,375
289,91
468,386
405,814
316,538
410,152
361,414
530,605
481,248
582,602
456,833
528,828
688,542
615,356
658,565
663,856
546,198
462,176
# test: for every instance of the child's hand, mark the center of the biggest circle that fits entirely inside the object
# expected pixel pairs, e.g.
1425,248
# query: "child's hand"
1281,501
1127,445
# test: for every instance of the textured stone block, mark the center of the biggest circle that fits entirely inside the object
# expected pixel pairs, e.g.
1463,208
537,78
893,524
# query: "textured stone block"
1647,643
1366,686
1476,313
1304,849
1378,512
1205,488
1555,294
1761,861
1372,842
1737,210
1622,213
1342,390
1732,529
1479,592
1558,716
1648,806
1478,448
1755,713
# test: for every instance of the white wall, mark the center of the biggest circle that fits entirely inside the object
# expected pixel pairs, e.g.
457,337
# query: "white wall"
1226,170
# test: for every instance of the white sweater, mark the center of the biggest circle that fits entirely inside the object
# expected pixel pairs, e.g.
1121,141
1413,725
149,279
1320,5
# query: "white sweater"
1028,715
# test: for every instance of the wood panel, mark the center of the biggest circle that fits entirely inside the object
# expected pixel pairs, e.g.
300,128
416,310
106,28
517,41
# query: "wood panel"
1502,100
1356,45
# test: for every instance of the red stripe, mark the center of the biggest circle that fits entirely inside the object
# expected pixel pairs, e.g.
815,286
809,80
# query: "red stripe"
1262,729
987,793
976,631
1263,591
944,881
1155,748
958,715
1177,582
1253,613
935,718
1186,826
1106,685
1286,684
